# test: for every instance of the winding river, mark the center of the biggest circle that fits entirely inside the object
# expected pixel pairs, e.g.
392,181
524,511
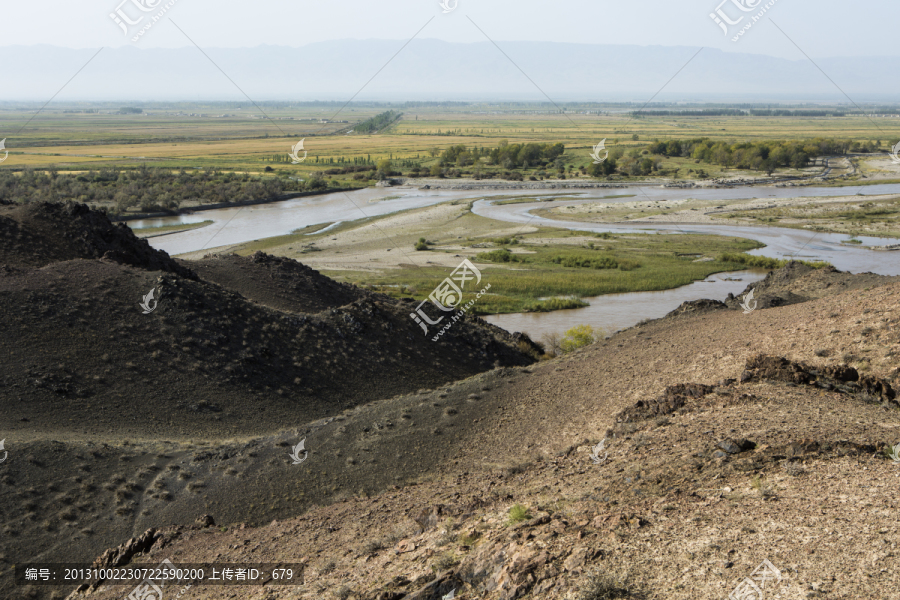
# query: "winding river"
611,312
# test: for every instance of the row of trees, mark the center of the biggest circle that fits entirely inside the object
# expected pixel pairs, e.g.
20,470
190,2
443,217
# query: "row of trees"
147,188
764,155
378,122
509,156
760,156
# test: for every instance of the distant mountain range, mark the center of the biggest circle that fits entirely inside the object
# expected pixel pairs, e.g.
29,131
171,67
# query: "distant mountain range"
436,70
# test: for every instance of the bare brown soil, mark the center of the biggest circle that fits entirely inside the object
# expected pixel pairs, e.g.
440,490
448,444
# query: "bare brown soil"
731,438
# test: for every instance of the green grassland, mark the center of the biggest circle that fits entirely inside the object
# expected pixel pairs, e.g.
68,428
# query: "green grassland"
551,269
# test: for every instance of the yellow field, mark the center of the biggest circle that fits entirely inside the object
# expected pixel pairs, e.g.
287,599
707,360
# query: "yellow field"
244,140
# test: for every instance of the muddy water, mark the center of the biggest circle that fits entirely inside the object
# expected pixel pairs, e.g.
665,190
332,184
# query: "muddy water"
608,313
613,312
237,225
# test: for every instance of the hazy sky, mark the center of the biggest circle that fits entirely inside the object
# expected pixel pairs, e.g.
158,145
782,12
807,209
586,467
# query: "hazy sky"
821,28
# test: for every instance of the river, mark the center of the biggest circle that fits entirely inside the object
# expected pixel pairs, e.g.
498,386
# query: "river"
611,312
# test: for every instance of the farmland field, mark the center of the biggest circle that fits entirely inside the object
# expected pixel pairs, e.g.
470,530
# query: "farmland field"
247,139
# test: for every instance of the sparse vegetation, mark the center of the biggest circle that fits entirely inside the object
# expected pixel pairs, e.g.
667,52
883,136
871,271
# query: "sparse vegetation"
554,304
518,513
759,484
445,561
604,586
764,262
577,337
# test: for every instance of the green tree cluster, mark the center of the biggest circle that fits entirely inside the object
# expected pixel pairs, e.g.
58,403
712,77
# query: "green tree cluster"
147,188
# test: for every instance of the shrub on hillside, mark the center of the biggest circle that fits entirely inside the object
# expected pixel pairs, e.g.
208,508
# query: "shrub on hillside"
577,337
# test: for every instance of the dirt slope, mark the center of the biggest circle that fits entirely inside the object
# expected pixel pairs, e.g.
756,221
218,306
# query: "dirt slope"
117,422
96,396
683,502
276,282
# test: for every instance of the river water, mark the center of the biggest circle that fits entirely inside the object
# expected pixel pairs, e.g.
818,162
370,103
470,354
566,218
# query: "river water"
610,312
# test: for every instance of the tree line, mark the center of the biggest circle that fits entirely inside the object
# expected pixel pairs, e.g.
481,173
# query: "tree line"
759,156
149,189
378,122
509,156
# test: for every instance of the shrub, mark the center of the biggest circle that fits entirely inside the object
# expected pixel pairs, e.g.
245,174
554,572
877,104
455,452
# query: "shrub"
505,241
500,255
555,304
518,513
764,262
422,244
551,343
577,337
445,561
586,262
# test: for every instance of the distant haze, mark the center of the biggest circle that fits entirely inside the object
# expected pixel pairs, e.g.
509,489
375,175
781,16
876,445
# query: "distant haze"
437,70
